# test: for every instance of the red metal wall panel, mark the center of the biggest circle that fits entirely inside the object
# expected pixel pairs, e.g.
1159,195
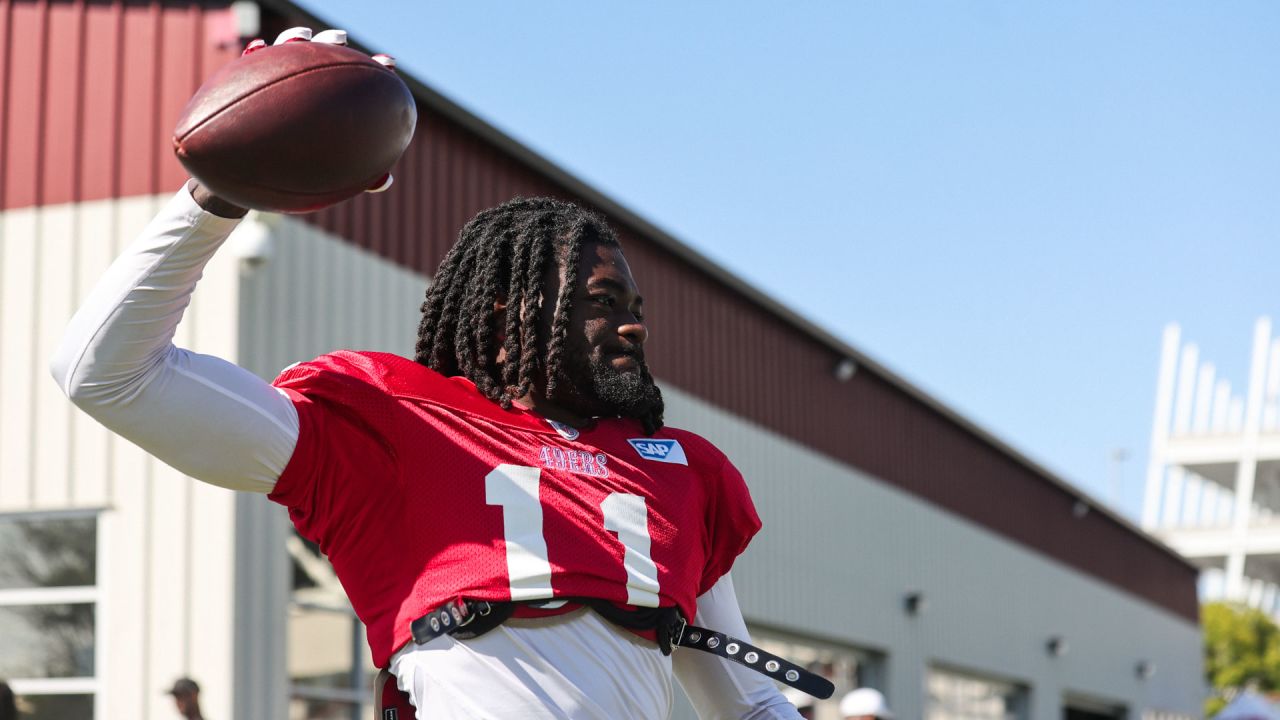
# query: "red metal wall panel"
99,151
181,51
89,91
63,78
24,103
139,123
6,42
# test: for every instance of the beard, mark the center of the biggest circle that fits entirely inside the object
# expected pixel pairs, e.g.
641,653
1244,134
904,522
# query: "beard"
595,388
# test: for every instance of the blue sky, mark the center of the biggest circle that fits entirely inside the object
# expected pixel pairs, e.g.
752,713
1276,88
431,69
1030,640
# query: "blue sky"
1002,201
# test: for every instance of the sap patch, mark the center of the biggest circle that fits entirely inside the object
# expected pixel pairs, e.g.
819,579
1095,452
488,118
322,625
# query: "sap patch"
667,451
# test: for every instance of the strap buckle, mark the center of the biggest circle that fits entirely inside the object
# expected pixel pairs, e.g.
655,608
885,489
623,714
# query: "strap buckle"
670,632
678,634
447,619
472,609
476,616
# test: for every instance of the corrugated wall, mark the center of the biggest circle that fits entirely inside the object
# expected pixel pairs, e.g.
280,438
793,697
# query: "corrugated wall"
840,550
167,541
90,91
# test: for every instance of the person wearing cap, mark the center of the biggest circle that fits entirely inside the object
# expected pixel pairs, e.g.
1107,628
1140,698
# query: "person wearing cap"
865,704
186,697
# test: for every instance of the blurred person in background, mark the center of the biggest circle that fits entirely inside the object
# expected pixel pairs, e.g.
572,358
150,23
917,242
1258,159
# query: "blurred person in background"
865,704
186,697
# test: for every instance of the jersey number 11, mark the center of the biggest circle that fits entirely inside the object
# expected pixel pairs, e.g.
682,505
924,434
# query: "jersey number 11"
515,488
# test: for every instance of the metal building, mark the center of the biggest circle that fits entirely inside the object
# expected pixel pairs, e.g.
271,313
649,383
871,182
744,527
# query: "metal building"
904,547
1213,483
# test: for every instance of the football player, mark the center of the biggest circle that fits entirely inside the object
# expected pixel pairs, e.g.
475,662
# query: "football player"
515,477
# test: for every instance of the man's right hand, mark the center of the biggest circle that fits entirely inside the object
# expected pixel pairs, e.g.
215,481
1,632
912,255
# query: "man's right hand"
217,206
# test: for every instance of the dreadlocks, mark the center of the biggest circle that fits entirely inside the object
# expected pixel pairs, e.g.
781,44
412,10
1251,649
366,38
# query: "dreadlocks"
504,252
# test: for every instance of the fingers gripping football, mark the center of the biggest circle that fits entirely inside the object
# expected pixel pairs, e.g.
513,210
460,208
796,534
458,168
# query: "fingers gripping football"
298,125
332,36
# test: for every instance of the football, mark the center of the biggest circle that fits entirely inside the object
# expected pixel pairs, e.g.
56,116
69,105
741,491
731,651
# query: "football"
296,127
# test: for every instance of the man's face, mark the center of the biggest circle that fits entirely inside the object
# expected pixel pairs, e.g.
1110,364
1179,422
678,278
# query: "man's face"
604,345
185,702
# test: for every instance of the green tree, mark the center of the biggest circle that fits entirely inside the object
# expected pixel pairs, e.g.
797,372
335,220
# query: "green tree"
1241,650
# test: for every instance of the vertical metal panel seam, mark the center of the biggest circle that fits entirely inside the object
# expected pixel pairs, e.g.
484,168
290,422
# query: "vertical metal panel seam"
378,228
157,89
117,118
400,211
144,606
188,550
149,474
38,181
196,47
421,192
109,465
338,221
391,215
77,159
364,224
5,63
413,231
77,218
458,191
436,168
440,197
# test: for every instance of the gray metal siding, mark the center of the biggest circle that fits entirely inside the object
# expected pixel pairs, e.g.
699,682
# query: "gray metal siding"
840,549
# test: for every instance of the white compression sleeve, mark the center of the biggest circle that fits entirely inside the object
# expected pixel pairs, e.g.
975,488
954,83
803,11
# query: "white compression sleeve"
205,416
719,689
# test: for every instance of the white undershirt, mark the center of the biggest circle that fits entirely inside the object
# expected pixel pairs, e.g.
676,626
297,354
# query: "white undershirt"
117,362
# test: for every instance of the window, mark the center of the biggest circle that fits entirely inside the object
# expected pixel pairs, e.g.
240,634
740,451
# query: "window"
1076,706
330,671
957,696
48,610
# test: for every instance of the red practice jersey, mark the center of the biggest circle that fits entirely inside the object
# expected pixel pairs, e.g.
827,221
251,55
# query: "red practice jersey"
421,490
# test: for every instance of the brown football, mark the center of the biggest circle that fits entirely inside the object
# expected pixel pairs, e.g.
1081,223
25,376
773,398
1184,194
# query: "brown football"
296,127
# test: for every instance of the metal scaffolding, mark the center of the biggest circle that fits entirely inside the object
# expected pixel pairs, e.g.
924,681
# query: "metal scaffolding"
1213,480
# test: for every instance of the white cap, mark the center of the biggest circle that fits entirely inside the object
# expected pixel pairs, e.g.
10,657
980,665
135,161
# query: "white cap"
865,701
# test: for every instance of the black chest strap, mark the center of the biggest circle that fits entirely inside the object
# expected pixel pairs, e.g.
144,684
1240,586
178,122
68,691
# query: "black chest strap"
466,619
750,656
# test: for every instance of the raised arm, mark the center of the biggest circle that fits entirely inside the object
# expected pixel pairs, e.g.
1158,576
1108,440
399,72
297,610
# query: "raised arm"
205,416
721,690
